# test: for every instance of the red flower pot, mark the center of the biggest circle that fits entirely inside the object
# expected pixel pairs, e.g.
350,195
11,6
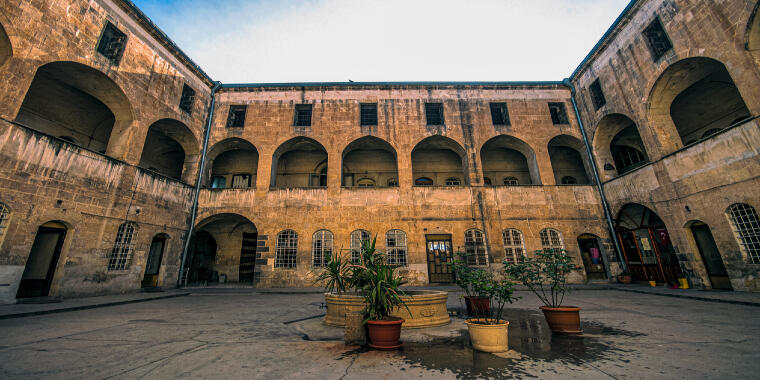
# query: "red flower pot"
564,319
477,305
385,334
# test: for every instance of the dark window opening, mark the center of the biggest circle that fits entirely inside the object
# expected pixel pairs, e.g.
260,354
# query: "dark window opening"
434,113
510,181
112,43
302,116
569,180
487,181
368,114
597,95
423,181
559,113
236,117
453,181
499,114
393,182
627,158
657,39
187,99
218,182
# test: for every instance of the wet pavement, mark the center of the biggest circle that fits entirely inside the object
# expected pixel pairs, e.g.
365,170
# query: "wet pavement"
253,335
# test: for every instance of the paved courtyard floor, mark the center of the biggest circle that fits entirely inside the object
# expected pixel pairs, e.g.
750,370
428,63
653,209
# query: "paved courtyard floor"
248,334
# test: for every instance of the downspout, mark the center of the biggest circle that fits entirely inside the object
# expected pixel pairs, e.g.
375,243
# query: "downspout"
598,181
201,166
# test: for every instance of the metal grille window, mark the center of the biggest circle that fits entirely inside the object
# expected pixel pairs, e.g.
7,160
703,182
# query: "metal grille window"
358,238
475,247
453,181
558,113
365,182
123,247
286,250
5,216
368,114
423,181
112,43
626,158
392,182
657,39
187,99
510,181
236,117
302,116
551,239
321,248
569,180
514,247
434,113
499,114
597,95
241,181
395,247
746,225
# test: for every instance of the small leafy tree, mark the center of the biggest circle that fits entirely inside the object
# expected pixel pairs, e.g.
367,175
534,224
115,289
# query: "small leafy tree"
462,273
545,274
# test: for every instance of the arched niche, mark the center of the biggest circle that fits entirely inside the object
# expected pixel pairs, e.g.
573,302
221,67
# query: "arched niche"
299,162
223,244
170,149
369,161
439,159
231,163
568,161
78,104
507,157
618,146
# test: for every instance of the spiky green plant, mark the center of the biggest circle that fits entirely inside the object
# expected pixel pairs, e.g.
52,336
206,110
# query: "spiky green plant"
378,283
335,276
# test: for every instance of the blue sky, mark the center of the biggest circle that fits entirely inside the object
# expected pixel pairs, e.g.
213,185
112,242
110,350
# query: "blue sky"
387,40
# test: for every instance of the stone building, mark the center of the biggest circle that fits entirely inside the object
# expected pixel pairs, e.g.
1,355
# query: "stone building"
125,166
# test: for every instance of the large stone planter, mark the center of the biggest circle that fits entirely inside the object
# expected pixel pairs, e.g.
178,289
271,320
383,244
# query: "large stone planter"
427,307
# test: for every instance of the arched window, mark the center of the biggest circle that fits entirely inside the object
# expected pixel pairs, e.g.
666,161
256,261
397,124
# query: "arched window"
5,216
321,248
569,180
453,181
358,238
510,181
514,247
746,225
286,249
486,181
551,239
475,247
395,247
392,182
423,181
365,182
123,247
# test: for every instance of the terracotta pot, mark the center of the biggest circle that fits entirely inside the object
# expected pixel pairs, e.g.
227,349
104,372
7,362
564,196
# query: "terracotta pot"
488,338
624,279
477,305
564,319
385,334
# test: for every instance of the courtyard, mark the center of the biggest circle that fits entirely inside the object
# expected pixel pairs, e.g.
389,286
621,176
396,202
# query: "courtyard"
252,333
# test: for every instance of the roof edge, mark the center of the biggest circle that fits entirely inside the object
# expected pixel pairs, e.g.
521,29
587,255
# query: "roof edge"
397,84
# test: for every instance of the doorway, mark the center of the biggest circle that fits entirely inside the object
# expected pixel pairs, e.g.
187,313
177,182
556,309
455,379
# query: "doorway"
153,265
592,257
248,257
43,259
439,256
716,270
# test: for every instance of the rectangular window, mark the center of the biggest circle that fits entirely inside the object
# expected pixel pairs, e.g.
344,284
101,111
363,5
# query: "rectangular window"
302,117
657,39
597,95
559,113
434,113
499,114
187,99
241,181
236,117
112,43
368,114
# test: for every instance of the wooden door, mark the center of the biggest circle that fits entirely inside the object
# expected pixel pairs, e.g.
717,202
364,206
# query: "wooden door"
248,257
439,255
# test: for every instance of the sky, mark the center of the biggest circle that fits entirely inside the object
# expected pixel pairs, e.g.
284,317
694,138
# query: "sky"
246,41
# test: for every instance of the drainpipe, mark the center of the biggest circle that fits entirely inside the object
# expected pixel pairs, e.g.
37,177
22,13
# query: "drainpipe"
201,165
595,171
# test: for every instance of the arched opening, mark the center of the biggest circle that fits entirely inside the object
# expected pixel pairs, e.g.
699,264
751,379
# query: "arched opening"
438,158
708,250
232,163
753,30
299,162
170,148
6,49
509,161
618,146
78,104
591,254
695,95
223,248
368,162
43,260
153,264
568,165
646,244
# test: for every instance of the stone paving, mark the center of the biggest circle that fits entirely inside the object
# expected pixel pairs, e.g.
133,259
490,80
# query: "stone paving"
248,334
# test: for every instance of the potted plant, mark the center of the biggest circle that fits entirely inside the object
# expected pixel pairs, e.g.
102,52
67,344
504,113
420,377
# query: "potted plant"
335,275
624,277
468,278
545,275
488,331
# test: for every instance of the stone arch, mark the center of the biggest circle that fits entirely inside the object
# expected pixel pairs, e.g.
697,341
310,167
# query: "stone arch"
79,104
439,158
230,158
170,149
299,162
6,48
506,156
222,244
618,146
752,32
568,159
369,158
